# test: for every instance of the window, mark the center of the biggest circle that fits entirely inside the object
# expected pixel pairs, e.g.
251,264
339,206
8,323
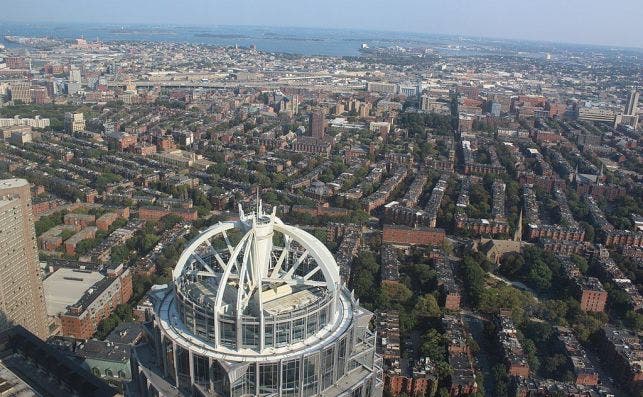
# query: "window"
310,370
322,317
268,378
122,374
245,385
96,372
328,362
283,334
341,357
290,378
269,335
108,372
201,369
228,335
250,335
311,325
298,330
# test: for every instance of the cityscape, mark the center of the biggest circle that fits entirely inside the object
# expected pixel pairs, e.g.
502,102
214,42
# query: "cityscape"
228,211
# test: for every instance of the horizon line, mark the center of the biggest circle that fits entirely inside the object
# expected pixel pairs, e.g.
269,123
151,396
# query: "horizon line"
451,35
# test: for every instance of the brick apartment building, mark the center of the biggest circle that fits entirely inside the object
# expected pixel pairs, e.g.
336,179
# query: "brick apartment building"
81,319
156,213
405,235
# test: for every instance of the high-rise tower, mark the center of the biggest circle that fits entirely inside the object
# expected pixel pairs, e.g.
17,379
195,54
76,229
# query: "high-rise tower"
632,106
257,308
22,300
317,124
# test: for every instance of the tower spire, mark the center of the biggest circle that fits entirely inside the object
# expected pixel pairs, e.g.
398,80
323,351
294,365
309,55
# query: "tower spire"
518,232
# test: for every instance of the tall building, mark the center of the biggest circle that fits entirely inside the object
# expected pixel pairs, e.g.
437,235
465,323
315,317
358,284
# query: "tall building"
257,308
22,299
632,106
317,124
75,81
630,116
21,92
74,122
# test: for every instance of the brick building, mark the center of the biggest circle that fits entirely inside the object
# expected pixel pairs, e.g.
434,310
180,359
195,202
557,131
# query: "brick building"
79,299
105,221
510,347
404,235
155,213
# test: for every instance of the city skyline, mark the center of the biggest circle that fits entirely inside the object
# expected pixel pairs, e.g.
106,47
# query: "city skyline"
574,22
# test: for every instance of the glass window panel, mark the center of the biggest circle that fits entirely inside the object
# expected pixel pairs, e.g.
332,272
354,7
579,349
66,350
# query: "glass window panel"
228,335
250,335
283,334
290,378
328,363
311,325
269,336
268,378
310,374
298,330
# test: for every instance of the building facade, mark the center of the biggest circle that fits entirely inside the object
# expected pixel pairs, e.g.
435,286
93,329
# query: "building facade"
23,301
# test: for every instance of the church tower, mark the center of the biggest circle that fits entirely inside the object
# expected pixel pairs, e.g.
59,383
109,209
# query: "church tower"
518,232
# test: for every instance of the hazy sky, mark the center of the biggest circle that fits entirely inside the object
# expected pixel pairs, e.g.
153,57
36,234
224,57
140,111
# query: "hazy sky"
613,22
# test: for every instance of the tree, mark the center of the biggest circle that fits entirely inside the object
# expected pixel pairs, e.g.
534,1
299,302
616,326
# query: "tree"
443,392
539,276
512,265
589,231
530,350
433,345
397,293
168,221
366,260
427,306
119,254
555,311
473,277
363,283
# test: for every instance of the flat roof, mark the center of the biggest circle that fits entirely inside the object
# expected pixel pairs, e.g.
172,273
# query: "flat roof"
66,286
290,302
14,182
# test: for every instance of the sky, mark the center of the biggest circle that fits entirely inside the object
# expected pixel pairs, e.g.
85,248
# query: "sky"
613,22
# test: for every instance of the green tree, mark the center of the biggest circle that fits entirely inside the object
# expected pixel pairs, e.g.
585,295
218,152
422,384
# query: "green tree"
539,276
397,292
433,345
427,306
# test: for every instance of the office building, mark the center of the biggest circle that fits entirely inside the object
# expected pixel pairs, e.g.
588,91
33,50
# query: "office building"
21,288
246,317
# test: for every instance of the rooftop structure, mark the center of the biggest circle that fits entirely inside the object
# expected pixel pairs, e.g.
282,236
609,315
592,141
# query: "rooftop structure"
66,286
79,297
257,306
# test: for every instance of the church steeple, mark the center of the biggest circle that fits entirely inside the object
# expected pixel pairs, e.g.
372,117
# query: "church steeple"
518,232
